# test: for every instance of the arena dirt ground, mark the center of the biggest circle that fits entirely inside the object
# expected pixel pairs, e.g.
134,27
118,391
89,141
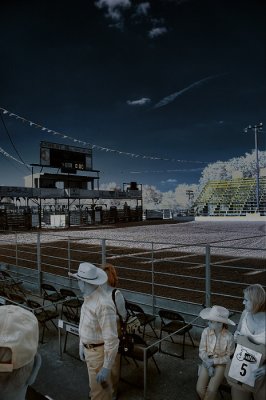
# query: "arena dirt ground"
224,272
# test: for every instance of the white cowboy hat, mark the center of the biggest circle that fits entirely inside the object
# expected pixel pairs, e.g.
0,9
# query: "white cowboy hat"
89,273
216,313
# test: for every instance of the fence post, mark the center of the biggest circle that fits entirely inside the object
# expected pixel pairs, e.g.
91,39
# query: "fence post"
145,373
16,236
103,252
39,262
68,253
152,279
208,276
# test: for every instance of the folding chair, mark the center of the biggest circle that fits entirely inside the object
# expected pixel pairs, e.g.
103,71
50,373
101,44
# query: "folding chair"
67,293
11,285
144,318
71,311
43,315
171,322
51,294
137,355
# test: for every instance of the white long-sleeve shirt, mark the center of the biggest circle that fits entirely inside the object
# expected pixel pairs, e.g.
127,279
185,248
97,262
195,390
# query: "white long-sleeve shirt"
220,347
98,324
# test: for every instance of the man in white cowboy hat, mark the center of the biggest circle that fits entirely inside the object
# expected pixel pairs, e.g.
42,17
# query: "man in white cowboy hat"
97,330
19,360
216,347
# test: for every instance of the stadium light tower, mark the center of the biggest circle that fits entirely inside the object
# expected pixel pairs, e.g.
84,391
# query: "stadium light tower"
256,129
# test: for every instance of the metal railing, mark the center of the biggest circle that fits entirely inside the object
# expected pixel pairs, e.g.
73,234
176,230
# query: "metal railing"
193,274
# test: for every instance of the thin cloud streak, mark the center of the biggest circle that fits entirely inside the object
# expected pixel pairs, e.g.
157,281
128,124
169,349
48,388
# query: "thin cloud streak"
140,102
169,99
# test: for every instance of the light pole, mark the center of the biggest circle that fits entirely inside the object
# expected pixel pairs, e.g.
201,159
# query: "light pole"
256,128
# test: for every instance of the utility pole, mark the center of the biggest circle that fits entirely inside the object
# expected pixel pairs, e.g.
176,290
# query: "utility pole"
256,129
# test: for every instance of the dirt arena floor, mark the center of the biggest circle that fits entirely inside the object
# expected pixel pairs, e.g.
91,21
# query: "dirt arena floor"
177,274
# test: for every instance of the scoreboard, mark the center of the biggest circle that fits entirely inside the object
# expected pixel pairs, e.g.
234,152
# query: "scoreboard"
67,158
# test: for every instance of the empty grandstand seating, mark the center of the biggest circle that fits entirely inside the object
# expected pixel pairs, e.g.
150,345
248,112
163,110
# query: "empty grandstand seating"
231,198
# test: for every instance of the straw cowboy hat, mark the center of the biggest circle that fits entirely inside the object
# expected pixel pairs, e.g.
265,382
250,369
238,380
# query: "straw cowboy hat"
216,313
89,273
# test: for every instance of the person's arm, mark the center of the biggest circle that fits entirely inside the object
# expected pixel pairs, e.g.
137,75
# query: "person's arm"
238,329
108,324
203,355
120,304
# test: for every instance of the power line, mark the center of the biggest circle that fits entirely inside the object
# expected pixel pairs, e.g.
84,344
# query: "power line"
12,143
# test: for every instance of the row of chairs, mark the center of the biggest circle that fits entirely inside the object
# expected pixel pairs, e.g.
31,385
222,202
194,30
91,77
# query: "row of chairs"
13,292
171,322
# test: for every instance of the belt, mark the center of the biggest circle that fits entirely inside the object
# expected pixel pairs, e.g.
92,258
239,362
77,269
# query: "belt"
91,346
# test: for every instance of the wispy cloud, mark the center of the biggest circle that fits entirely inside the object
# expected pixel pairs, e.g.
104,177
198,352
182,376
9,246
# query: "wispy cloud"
143,8
155,32
169,181
140,102
169,99
114,7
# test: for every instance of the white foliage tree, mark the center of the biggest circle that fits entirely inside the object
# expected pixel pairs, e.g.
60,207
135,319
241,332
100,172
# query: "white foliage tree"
246,165
152,197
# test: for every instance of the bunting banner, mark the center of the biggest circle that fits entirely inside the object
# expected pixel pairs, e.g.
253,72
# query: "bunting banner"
6,154
95,146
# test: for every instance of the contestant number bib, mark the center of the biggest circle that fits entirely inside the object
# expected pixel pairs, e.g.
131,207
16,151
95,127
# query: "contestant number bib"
244,363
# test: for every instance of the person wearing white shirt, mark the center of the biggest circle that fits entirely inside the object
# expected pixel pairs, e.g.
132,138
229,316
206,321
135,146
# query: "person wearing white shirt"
97,330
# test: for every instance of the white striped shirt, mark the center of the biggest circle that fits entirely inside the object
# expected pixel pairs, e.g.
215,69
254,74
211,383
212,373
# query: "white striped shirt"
98,324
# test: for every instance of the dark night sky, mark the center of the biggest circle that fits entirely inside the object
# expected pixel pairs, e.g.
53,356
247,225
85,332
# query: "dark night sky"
77,67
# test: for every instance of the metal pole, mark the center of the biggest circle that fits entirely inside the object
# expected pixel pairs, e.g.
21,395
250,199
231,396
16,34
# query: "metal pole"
145,373
257,169
208,276
257,128
39,262
152,277
103,252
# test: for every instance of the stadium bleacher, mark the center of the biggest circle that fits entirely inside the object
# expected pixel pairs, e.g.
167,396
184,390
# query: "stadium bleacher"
231,198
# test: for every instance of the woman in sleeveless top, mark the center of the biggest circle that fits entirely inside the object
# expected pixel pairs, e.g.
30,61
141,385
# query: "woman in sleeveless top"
119,301
253,325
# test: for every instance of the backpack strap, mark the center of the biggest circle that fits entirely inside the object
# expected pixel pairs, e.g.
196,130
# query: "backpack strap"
113,297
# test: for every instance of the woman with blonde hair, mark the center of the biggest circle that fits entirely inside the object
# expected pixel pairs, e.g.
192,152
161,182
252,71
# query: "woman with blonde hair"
252,324
119,302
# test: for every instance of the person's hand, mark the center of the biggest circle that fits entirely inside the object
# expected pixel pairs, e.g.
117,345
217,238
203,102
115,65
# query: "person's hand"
81,352
236,334
260,372
208,363
102,375
211,371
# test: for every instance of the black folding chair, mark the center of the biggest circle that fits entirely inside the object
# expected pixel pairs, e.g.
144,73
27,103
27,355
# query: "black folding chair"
50,293
65,293
43,315
137,354
71,312
171,321
144,318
